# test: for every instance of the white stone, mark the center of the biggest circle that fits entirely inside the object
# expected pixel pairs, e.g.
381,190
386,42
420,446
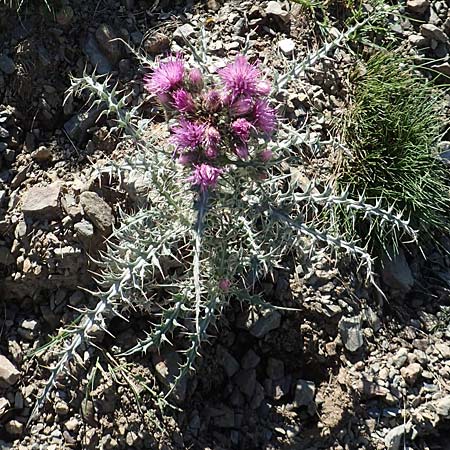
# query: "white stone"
286,46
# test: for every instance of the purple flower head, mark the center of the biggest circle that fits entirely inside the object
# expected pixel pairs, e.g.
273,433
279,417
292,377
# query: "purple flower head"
241,128
263,87
264,116
196,79
205,176
182,101
241,150
188,134
240,77
211,141
167,76
266,155
212,101
224,284
241,106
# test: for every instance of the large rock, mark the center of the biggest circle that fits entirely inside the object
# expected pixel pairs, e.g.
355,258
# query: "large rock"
97,210
185,32
417,6
433,32
269,321
276,11
42,202
108,43
92,50
397,273
443,406
394,437
8,372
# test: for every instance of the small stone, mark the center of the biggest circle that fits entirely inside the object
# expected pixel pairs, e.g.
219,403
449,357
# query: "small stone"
65,16
351,333
92,50
286,46
246,380
269,321
304,393
411,372
394,437
167,367
250,360
185,32
157,44
61,408
418,40
213,5
443,406
258,396
14,427
397,273
42,154
275,10
72,424
226,419
227,361
444,350
28,328
7,65
76,127
42,202
108,43
97,210
417,6
84,229
275,369
131,439
400,358
433,32
9,375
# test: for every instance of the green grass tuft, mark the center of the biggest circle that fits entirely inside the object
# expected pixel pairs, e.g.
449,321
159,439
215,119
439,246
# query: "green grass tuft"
392,130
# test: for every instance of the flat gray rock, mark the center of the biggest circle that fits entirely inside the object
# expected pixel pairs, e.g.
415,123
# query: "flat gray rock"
42,202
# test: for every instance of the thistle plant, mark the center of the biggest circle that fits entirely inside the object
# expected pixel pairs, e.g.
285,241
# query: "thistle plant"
222,208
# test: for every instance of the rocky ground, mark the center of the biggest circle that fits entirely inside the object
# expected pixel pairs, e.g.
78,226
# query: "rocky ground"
346,371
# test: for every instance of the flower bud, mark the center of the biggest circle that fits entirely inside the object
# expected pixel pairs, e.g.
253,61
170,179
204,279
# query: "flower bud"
196,80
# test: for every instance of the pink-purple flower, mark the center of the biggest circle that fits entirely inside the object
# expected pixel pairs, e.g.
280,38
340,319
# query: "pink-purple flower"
212,101
264,116
240,77
241,106
241,128
166,77
205,176
224,284
196,79
188,135
183,101
211,141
